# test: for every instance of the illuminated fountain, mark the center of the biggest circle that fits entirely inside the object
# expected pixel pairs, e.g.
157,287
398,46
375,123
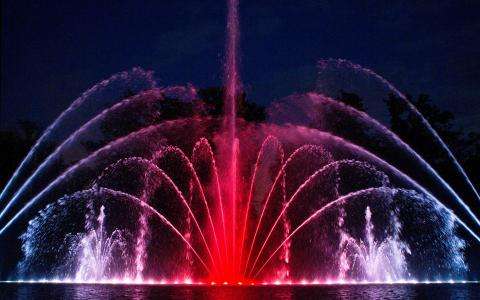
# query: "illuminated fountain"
374,260
118,189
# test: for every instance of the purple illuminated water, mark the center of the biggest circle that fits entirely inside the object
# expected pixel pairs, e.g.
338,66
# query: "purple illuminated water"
318,193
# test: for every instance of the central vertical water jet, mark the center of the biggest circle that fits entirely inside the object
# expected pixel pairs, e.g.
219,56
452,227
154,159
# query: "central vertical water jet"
232,84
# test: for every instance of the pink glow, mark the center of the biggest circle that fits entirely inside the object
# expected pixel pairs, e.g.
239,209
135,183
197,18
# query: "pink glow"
219,206
314,282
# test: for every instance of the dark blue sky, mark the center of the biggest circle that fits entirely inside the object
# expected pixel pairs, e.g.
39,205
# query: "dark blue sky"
54,50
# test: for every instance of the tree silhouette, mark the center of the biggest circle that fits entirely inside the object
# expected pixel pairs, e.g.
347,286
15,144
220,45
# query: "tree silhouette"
213,98
351,99
15,145
407,125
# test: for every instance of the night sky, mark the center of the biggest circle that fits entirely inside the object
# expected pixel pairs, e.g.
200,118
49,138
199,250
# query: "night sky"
54,50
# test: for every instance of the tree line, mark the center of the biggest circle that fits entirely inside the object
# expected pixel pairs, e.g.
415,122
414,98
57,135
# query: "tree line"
15,143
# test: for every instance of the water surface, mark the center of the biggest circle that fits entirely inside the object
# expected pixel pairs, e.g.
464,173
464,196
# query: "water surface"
88,291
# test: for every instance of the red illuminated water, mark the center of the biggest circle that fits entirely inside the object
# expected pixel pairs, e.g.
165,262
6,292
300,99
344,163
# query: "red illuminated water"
223,201
229,267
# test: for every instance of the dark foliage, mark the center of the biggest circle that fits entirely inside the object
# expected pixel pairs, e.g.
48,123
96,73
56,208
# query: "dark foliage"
15,144
351,99
213,100
464,145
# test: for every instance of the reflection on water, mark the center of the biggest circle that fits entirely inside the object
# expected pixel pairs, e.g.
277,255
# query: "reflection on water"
52,291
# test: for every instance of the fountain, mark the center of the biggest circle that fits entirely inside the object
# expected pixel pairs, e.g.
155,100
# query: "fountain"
119,190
